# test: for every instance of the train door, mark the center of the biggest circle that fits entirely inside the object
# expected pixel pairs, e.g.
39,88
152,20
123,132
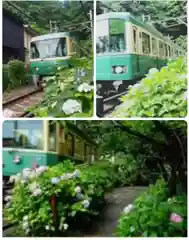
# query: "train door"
136,50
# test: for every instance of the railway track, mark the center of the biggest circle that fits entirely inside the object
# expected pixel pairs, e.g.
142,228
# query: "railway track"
6,192
18,105
107,105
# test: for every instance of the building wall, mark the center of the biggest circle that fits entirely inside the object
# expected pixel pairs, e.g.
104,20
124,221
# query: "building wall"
27,38
13,38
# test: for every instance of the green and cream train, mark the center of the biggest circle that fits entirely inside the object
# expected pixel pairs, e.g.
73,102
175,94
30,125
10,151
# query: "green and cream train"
27,144
126,49
49,53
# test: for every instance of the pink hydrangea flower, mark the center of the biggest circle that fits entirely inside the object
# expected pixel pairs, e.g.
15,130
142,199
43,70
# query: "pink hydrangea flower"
174,217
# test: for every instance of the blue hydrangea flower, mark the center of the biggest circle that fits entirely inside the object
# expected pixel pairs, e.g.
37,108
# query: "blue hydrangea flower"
78,189
79,196
55,180
66,176
76,173
86,203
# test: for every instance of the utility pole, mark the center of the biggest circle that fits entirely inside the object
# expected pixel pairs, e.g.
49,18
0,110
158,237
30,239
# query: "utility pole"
91,22
53,26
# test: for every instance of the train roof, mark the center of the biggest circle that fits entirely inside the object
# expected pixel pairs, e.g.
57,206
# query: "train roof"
75,130
50,36
129,17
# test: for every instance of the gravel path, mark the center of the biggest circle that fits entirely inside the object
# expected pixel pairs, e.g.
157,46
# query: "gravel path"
116,201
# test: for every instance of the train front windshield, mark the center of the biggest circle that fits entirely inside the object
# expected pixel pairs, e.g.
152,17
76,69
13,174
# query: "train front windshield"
49,48
23,134
110,36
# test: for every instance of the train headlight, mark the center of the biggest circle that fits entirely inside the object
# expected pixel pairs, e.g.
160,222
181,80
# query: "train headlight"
118,69
16,160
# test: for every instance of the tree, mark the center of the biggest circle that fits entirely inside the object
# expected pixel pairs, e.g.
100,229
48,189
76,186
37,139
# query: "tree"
162,13
153,146
67,18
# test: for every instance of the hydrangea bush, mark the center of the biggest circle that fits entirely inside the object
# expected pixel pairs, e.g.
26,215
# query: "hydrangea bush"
153,214
65,96
71,92
160,94
50,201
14,75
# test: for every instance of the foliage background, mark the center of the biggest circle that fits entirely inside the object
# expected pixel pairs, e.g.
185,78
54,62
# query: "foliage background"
160,94
157,10
68,15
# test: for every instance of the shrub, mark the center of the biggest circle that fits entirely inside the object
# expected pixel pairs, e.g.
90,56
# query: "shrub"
66,97
71,93
17,72
153,214
79,192
5,77
14,75
160,94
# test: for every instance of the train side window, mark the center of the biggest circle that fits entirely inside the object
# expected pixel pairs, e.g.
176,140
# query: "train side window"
52,136
70,144
93,155
154,46
34,51
88,154
102,44
161,49
85,151
166,50
23,134
9,139
78,147
117,43
135,39
169,51
146,43
74,45
62,48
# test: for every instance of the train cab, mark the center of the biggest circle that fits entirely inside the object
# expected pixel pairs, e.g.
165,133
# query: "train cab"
43,142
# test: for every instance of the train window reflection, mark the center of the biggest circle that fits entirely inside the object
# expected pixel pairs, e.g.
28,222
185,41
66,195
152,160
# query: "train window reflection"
52,136
56,47
161,49
117,42
117,35
146,43
154,46
102,44
69,141
78,148
23,134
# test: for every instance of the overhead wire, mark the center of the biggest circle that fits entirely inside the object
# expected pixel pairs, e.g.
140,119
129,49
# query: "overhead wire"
183,16
28,16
